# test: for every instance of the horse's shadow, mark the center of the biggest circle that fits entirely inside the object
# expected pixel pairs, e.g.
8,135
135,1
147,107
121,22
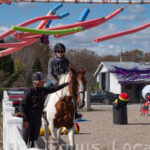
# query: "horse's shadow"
40,143
137,123
64,145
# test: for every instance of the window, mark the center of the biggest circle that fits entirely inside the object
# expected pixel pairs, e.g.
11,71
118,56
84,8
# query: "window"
103,81
128,86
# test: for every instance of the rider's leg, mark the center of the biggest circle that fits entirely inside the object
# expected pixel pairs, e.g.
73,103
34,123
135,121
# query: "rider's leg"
48,83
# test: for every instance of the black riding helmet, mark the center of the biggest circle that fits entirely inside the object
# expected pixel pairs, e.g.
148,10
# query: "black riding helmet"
37,76
59,46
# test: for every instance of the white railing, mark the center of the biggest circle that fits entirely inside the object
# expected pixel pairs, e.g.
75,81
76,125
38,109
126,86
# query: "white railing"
12,127
87,106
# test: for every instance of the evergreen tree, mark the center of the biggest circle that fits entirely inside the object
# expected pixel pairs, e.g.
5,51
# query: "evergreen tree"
37,65
29,80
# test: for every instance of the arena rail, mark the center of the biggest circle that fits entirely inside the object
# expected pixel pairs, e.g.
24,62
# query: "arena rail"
12,127
87,106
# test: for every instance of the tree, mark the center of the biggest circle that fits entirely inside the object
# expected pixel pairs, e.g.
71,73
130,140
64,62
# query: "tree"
97,86
37,65
29,80
134,55
81,58
6,63
110,58
147,57
18,66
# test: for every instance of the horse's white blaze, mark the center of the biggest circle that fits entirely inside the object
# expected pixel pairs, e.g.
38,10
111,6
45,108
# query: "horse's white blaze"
81,88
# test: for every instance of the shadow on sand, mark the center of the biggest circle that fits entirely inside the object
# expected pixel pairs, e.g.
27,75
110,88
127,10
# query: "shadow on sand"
64,145
137,123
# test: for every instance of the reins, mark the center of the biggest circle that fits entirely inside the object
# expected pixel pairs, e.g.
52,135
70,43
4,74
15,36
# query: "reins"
80,92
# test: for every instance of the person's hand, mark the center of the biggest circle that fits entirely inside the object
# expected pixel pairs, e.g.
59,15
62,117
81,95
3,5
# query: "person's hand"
25,124
41,83
18,114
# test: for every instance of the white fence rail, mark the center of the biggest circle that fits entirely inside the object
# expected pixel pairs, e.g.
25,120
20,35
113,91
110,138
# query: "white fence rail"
12,127
87,106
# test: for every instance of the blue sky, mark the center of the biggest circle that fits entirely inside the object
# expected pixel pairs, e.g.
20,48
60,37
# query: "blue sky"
133,16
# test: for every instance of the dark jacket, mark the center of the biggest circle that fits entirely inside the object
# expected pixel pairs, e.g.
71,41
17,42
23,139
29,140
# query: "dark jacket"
33,102
57,67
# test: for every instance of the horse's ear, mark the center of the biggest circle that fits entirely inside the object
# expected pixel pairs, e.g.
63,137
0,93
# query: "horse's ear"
71,69
84,70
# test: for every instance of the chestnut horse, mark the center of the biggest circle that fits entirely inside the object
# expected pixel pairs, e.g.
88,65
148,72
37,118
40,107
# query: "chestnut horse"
60,106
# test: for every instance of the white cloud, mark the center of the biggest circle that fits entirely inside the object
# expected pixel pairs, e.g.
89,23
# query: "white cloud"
136,9
3,29
26,4
103,50
132,17
85,40
134,13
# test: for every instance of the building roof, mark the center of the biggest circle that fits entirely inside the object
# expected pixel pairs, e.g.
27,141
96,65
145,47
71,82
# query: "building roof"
127,71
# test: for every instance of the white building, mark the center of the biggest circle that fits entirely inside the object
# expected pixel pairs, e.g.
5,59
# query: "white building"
119,77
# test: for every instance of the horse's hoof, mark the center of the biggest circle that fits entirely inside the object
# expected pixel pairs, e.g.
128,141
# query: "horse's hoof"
72,148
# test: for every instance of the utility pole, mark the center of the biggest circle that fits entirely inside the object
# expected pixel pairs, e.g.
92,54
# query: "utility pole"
121,53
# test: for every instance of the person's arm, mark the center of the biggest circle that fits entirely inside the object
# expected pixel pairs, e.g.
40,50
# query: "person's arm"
55,88
50,72
25,105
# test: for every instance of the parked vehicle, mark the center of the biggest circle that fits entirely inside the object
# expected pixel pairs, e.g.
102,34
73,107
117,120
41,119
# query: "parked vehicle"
102,96
16,94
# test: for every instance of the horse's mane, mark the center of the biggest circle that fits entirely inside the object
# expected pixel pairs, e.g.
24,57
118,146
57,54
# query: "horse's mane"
63,78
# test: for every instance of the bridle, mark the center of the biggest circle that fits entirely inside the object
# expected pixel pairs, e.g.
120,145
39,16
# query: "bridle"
74,95
80,92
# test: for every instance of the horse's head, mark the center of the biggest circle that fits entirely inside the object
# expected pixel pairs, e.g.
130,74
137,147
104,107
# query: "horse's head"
78,86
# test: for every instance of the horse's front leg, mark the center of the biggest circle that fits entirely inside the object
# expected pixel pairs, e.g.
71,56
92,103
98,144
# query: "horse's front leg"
58,134
71,138
54,141
46,132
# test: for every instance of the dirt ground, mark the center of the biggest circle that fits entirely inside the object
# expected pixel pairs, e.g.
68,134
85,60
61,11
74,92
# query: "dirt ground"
99,133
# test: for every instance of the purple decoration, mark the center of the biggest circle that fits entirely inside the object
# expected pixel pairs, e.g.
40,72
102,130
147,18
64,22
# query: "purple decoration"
133,75
44,39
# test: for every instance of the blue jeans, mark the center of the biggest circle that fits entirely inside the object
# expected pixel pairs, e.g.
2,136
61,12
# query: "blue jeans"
48,83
